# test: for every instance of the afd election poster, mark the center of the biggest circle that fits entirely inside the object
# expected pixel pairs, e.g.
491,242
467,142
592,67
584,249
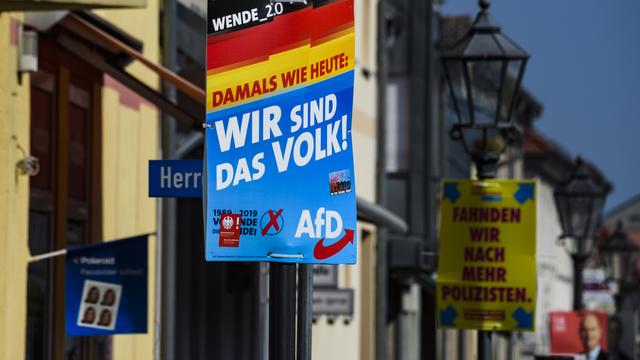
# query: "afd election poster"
279,158
106,288
487,261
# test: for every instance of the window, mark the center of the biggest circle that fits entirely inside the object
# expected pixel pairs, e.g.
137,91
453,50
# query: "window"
64,204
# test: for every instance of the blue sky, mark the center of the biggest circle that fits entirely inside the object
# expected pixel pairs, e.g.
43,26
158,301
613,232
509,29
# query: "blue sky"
585,70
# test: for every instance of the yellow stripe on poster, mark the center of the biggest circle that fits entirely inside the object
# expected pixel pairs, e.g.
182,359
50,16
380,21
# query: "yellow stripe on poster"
285,71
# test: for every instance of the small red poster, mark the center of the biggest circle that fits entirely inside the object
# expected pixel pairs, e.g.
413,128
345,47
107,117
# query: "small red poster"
229,230
578,332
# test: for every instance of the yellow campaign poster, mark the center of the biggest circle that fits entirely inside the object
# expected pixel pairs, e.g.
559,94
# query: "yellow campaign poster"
487,264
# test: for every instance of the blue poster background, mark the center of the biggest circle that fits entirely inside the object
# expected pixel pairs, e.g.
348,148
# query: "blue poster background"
122,262
292,191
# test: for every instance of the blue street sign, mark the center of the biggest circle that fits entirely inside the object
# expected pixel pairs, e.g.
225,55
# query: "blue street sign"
175,178
106,288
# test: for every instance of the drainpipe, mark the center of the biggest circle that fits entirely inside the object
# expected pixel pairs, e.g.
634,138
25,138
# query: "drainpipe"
382,279
169,205
157,336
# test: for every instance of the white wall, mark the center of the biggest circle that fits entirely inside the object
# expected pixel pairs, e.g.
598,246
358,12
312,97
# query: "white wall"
342,340
555,272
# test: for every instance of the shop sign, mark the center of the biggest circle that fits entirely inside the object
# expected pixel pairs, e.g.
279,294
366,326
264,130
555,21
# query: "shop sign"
333,302
106,288
279,159
487,264
325,276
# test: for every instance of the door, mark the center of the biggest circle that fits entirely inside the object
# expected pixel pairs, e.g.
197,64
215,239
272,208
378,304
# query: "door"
65,196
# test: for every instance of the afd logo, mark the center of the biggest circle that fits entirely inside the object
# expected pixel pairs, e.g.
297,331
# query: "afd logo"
326,224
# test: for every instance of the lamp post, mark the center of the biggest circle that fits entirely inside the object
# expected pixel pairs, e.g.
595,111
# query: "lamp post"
484,71
579,202
619,255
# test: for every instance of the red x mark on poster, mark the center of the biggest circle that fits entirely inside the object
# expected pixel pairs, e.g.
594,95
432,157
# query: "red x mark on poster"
273,221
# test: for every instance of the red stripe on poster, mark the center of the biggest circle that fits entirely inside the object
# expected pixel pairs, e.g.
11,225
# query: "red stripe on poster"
284,32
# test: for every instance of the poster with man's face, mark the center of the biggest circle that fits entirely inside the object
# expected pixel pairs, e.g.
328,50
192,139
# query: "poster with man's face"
578,332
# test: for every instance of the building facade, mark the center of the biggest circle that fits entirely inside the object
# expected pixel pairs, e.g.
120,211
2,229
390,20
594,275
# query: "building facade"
93,137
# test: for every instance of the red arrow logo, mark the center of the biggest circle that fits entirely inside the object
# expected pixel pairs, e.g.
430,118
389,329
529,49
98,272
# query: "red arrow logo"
322,252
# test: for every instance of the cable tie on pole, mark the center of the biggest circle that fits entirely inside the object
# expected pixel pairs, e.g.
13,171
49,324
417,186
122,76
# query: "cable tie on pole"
286,256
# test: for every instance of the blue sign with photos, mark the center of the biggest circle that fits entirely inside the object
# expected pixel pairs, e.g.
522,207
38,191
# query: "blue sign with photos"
106,288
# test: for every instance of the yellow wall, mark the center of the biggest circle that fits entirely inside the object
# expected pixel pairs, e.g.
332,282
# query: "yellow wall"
130,140
143,24
14,197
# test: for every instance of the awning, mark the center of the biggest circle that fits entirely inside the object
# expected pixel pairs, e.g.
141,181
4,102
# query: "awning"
90,38
376,214
48,5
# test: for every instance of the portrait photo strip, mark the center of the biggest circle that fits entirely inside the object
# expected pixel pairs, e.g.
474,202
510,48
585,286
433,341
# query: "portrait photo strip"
99,305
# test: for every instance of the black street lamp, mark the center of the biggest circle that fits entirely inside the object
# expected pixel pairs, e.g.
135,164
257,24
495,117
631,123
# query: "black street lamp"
484,71
619,255
579,202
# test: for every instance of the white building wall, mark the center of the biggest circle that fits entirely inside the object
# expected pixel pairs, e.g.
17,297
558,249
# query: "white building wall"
354,339
555,272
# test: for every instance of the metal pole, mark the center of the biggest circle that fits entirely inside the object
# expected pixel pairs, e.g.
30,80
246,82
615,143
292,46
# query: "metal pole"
167,346
48,255
484,345
157,341
305,296
381,177
486,169
578,266
282,311
263,342
619,298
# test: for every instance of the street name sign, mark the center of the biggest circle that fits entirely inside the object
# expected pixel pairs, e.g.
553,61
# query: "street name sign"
175,178
279,160
487,263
